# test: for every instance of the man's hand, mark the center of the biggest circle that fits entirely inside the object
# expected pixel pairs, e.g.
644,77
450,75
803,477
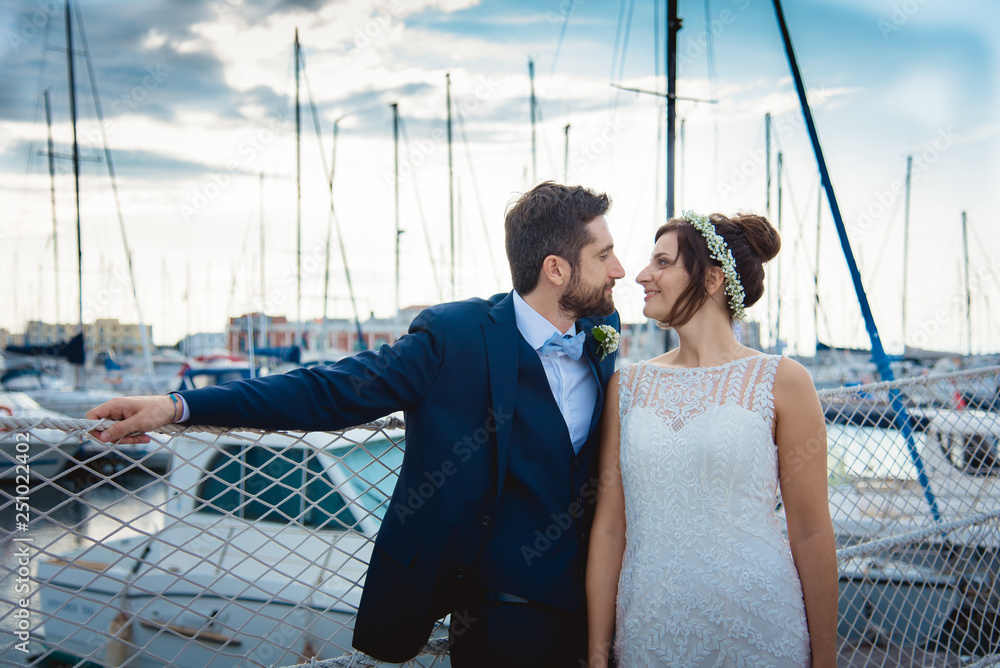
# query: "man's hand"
137,415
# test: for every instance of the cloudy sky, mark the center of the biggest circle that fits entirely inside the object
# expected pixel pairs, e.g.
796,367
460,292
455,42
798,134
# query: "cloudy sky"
198,106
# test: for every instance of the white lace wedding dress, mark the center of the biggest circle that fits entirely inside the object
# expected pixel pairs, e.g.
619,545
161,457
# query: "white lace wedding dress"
708,577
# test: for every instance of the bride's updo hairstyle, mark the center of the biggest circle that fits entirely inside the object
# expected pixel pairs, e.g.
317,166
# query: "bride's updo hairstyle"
752,241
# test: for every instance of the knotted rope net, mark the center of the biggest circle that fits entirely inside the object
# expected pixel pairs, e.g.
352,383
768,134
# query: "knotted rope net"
216,547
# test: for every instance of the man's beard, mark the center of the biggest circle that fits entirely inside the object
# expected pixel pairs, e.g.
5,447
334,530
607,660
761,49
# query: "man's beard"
582,302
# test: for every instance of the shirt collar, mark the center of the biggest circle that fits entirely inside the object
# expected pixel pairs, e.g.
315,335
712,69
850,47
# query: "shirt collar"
533,326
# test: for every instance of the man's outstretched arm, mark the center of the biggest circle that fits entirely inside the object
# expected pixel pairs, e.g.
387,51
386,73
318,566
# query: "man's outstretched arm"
355,390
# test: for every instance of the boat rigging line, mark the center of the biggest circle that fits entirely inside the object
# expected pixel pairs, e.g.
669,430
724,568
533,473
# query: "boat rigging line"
329,226
420,212
562,35
479,200
143,334
336,221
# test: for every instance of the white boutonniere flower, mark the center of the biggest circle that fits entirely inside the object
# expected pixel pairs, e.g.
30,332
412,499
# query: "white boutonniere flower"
607,338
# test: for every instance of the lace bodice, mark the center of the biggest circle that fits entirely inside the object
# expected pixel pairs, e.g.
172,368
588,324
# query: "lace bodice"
707,577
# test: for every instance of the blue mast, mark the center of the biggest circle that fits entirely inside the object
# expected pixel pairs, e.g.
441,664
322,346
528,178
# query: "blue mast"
902,418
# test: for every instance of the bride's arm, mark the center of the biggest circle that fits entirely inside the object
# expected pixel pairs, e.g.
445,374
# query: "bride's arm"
607,536
800,433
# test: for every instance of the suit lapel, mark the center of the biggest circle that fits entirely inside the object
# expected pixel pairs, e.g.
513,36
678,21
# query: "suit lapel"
501,354
590,353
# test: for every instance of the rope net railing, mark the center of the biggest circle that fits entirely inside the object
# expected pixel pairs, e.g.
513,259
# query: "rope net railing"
214,547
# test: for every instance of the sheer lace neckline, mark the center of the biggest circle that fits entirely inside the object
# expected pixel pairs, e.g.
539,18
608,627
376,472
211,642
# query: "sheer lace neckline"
701,368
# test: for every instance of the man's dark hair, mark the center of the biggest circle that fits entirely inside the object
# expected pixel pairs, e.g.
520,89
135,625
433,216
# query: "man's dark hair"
549,219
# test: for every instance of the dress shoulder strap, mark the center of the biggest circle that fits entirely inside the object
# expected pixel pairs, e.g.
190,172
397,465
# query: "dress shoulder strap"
628,378
760,385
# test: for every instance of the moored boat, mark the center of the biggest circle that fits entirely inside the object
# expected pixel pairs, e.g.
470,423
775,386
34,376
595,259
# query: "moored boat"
260,561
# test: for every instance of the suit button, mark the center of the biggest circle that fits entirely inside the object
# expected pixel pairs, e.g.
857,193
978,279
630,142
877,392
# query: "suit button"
459,573
485,520
576,463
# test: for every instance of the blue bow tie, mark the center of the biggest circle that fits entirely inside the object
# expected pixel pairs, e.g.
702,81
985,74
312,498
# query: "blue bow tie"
571,346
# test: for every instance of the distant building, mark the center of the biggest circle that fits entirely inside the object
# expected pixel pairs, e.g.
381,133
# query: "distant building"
9,339
335,334
101,335
203,343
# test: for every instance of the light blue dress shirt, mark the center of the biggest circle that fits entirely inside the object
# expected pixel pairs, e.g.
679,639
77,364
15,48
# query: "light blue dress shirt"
572,382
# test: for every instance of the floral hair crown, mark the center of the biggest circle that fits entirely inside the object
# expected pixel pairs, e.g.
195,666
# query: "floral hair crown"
718,249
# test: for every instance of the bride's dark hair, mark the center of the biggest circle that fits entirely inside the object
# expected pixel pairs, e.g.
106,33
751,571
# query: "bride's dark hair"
752,241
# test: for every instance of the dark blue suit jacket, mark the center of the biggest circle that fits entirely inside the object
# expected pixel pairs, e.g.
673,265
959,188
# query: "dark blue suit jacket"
455,374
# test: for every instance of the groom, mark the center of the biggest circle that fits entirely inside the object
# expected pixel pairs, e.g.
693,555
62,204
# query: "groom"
502,400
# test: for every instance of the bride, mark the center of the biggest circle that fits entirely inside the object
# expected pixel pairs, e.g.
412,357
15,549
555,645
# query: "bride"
688,564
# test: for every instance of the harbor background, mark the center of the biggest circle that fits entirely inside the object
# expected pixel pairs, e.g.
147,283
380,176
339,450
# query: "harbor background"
197,105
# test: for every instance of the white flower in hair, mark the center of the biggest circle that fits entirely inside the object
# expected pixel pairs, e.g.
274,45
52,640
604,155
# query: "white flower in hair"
719,251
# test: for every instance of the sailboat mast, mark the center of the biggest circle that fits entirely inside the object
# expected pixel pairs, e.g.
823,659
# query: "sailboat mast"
395,181
767,208
298,195
879,357
329,230
767,157
566,155
52,195
659,156
263,290
76,164
680,172
673,25
819,218
906,241
777,315
451,185
534,160
968,292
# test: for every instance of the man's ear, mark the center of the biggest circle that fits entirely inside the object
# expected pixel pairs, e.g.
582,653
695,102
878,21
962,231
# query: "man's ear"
715,280
555,271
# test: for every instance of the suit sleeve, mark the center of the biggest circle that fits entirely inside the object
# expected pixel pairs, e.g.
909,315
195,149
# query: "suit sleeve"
353,391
